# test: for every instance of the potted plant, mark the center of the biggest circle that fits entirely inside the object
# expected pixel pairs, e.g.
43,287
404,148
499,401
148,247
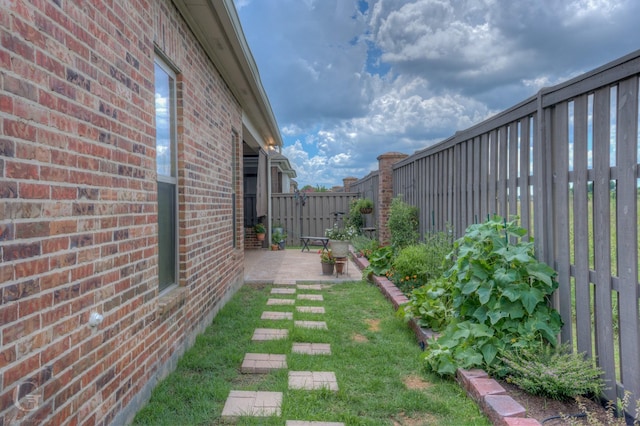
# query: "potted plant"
276,239
281,243
339,239
365,205
260,230
327,261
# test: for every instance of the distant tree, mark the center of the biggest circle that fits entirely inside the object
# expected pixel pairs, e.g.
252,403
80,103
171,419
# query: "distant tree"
321,188
308,188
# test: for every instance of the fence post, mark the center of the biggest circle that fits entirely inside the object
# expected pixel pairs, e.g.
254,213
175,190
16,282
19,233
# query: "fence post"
347,182
385,192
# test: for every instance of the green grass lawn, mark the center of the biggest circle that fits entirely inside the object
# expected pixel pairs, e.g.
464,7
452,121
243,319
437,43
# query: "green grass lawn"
374,355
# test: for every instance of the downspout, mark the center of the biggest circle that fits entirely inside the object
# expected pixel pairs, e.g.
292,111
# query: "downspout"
269,213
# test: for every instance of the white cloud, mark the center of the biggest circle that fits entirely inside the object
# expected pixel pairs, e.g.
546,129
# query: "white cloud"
347,87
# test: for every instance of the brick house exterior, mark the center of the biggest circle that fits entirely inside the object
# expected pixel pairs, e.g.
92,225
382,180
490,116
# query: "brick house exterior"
79,211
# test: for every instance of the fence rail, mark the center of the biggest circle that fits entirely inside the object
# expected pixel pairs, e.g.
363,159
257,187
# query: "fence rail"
309,215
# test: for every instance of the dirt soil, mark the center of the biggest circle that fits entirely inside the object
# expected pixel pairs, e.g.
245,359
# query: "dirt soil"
541,408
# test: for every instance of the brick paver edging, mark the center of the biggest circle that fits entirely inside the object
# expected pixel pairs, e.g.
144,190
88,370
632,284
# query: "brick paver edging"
493,400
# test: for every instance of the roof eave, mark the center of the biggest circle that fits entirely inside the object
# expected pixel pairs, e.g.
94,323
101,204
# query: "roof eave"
217,27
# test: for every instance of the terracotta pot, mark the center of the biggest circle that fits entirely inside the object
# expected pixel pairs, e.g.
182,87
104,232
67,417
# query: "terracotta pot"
260,237
327,268
340,267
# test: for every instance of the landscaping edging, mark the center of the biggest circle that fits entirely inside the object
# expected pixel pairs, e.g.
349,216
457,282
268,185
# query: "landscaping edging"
491,397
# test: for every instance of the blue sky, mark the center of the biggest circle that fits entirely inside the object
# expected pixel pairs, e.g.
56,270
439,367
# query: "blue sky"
351,79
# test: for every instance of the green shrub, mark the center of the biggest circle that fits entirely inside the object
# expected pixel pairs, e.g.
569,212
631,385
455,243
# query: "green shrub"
403,223
556,373
417,264
499,296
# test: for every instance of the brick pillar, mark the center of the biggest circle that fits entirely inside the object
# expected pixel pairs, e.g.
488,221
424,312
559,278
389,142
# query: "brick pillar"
347,182
385,192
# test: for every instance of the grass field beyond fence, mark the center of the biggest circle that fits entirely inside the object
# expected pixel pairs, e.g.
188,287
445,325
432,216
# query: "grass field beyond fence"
374,355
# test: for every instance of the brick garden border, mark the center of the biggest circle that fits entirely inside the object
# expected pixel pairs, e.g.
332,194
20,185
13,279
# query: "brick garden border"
491,397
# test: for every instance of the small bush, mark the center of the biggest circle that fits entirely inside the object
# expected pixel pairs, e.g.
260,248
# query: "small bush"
403,224
556,373
416,264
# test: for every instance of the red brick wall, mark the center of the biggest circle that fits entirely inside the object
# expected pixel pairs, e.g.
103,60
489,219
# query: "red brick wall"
78,210
385,192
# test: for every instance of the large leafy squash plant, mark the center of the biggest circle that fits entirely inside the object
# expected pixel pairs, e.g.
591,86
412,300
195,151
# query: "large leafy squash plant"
500,299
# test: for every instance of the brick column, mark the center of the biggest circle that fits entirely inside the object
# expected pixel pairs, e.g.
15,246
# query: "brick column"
385,192
347,182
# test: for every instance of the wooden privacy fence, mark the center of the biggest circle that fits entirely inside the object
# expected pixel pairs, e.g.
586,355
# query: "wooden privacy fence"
566,162
310,218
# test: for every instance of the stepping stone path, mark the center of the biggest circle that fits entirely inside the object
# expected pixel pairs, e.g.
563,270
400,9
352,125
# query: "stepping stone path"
263,404
316,297
283,302
311,324
263,363
277,315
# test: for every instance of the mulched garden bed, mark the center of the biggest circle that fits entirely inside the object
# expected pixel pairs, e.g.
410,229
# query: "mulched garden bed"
541,408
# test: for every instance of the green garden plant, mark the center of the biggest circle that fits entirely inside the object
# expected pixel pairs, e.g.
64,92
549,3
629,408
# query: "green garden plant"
354,217
499,297
431,304
364,245
403,223
379,261
554,372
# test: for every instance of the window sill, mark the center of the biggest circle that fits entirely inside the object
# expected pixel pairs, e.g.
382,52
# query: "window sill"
171,300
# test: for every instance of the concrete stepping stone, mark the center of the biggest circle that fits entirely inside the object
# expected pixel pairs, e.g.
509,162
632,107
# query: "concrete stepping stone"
311,348
268,315
310,309
263,334
310,286
302,423
313,380
316,297
286,282
262,363
249,403
321,325
275,302
283,291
